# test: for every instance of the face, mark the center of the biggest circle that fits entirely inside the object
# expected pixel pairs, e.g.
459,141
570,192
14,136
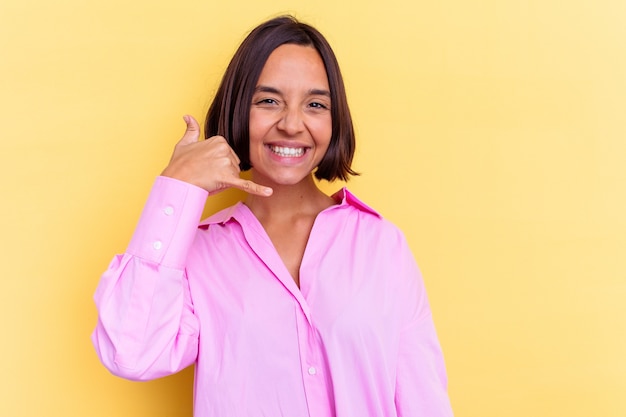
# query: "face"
290,119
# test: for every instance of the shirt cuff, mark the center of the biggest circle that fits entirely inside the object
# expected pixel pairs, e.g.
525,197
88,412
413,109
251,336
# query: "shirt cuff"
167,226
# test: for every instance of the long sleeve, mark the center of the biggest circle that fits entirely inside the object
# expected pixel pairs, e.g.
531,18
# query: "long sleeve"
421,381
146,324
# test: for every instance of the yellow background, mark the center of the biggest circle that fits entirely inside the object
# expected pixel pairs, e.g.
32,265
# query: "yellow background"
492,132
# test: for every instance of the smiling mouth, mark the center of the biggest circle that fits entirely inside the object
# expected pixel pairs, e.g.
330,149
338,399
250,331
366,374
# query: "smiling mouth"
287,152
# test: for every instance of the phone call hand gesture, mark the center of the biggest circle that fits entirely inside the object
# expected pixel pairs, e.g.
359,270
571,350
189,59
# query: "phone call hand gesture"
210,164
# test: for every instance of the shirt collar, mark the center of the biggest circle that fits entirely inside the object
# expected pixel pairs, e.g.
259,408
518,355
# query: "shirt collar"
343,197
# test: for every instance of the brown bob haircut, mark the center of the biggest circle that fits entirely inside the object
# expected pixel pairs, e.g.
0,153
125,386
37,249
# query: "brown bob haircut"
229,114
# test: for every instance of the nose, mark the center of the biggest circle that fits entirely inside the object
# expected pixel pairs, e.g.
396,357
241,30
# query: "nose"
291,121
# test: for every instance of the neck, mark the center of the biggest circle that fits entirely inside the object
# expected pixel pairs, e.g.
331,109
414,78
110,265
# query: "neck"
287,201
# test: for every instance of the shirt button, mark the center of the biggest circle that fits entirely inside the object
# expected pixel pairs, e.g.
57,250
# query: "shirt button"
312,370
168,210
157,245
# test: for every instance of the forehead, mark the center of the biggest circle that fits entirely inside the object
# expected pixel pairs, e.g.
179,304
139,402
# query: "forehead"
292,64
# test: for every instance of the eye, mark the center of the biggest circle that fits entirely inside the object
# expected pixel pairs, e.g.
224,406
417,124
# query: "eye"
318,105
266,101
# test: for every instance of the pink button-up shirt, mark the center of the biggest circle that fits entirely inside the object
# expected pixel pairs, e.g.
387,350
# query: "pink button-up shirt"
355,340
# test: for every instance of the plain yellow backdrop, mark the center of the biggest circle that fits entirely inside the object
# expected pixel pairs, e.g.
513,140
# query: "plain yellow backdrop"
493,132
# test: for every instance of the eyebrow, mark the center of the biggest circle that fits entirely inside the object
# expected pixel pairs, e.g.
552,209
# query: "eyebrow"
273,90
318,92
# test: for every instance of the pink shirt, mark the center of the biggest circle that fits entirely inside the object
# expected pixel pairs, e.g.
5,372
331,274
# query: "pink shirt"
355,340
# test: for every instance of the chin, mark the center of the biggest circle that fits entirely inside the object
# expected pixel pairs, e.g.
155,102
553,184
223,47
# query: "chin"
283,180
288,181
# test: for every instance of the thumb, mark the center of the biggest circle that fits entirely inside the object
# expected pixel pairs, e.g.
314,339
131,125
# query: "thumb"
192,133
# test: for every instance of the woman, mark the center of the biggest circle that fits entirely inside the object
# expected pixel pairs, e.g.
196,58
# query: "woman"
291,303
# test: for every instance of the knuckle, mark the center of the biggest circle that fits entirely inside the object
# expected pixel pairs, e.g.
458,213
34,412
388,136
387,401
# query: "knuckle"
219,140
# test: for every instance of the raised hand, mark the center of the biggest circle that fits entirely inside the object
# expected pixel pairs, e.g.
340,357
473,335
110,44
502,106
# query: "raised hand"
210,164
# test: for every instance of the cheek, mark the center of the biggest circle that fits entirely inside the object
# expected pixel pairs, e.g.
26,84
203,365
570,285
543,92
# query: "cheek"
258,125
253,124
324,131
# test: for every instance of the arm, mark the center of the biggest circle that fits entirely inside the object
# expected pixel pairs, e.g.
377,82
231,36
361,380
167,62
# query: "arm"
421,381
146,326
421,385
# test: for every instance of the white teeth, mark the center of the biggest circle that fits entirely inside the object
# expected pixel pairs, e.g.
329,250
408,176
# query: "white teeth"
287,152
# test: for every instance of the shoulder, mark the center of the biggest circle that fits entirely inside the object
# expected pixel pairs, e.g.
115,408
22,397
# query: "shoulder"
220,217
238,213
366,220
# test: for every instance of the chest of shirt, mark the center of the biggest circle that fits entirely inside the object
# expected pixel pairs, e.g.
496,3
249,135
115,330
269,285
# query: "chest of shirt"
348,286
